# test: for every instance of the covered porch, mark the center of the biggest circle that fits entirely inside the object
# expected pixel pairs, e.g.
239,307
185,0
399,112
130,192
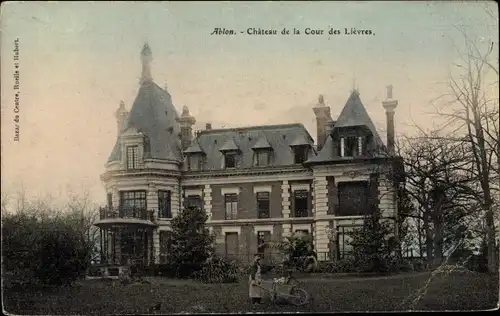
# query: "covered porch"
126,244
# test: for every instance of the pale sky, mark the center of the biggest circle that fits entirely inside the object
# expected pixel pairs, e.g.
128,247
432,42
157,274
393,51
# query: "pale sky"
78,60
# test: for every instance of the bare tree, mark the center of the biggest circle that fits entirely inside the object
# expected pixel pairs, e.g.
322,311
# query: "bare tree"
472,109
441,190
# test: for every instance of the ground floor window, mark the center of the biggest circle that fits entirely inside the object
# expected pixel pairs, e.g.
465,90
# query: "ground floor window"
232,245
134,246
344,247
263,239
193,201
165,245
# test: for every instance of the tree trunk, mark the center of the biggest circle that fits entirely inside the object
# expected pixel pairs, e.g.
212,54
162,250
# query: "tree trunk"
438,241
490,234
419,232
428,238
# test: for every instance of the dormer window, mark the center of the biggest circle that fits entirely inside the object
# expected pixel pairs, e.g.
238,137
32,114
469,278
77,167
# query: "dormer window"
353,146
195,162
300,154
132,157
262,152
230,159
262,157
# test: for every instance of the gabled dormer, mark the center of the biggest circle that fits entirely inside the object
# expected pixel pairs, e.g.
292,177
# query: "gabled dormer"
195,157
302,148
262,152
354,141
354,134
230,153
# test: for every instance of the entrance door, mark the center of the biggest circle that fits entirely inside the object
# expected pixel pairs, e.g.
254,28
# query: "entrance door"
232,245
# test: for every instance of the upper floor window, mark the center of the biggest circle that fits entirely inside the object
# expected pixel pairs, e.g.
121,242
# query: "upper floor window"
132,157
131,202
231,201
262,158
230,160
352,146
164,204
263,205
301,203
353,198
348,146
300,154
195,162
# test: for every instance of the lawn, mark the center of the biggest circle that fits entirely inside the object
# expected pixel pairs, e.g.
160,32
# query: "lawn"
459,291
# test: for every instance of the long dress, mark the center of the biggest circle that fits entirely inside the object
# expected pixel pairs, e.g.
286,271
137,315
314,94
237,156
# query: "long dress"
254,291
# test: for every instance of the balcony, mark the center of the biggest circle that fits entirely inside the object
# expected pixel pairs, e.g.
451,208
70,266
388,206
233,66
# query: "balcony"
124,215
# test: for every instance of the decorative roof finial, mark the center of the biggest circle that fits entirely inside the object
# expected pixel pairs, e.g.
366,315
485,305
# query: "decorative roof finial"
146,58
321,100
389,91
165,87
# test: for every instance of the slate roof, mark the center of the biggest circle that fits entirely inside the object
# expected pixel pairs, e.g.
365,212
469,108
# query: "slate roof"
194,147
326,153
262,143
154,115
299,140
354,114
229,145
279,138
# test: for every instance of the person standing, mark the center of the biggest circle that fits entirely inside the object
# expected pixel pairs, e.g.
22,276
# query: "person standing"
255,280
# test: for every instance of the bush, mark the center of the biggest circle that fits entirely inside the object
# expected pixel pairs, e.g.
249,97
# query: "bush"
339,266
52,252
218,270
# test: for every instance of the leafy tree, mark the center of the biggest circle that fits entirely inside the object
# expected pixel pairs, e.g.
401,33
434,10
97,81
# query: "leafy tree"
191,243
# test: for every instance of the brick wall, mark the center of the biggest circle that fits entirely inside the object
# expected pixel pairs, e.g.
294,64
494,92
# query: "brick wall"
247,200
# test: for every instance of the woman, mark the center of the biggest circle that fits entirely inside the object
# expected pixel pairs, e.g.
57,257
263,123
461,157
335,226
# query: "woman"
255,281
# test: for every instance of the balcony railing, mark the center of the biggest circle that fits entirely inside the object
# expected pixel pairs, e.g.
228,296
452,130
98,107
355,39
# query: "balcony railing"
127,212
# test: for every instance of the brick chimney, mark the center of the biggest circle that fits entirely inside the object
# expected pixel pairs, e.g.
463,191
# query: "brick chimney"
208,126
323,117
186,121
121,116
390,106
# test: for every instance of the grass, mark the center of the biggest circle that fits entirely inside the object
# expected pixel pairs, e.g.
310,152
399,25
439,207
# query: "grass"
458,291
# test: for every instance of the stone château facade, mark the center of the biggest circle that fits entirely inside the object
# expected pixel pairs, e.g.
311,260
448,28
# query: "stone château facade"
255,183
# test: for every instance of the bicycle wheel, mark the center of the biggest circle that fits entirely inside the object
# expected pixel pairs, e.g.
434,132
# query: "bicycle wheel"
298,296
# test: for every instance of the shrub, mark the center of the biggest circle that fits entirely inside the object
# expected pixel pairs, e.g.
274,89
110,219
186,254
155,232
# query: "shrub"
52,252
63,255
218,270
339,266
